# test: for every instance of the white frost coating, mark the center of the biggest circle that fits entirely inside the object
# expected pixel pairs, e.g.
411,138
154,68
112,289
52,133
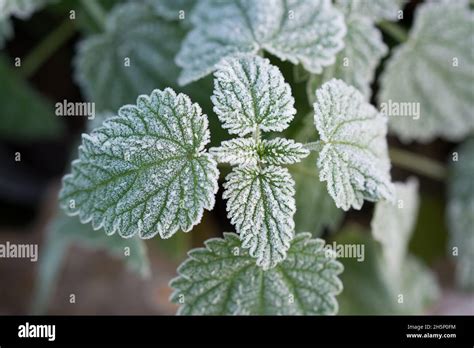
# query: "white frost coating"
375,10
354,160
357,62
393,224
171,9
240,151
249,92
222,279
19,8
247,152
460,214
261,205
434,68
280,151
145,171
133,56
309,32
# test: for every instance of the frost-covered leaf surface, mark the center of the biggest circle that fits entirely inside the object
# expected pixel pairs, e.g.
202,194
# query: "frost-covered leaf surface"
369,287
357,62
20,8
460,214
25,115
250,93
174,9
247,151
434,71
375,10
222,279
307,32
354,160
393,224
133,56
65,231
145,171
261,205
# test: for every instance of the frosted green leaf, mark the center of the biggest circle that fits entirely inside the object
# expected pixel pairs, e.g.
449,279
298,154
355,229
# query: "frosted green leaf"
133,56
25,114
357,62
240,151
460,214
393,224
20,8
173,9
250,93
261,205
307,32
247,151
426,88
280,151
354,160
222,279
375,10
145,171
370,289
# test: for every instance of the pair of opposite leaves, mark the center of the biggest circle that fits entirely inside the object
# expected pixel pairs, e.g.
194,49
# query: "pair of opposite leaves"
147,171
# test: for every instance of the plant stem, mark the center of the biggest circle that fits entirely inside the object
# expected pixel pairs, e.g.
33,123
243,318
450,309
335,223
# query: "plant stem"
314,146
394,30
95,10
418,164
43,51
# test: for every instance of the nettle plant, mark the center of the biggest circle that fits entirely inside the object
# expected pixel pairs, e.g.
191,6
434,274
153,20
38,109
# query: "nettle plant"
148,169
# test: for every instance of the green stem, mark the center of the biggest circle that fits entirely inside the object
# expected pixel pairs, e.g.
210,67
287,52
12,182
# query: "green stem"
314,146
43,51
418,164
394,30
95,10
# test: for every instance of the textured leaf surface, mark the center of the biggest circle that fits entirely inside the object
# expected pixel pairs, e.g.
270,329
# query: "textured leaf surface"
146,170
251,93
357,62
369,287
423,72
171,9
133,56
25,115
309,32
261,205
249,152
19,8
460,214
393,224
65,231
354,160
374,9
223,279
